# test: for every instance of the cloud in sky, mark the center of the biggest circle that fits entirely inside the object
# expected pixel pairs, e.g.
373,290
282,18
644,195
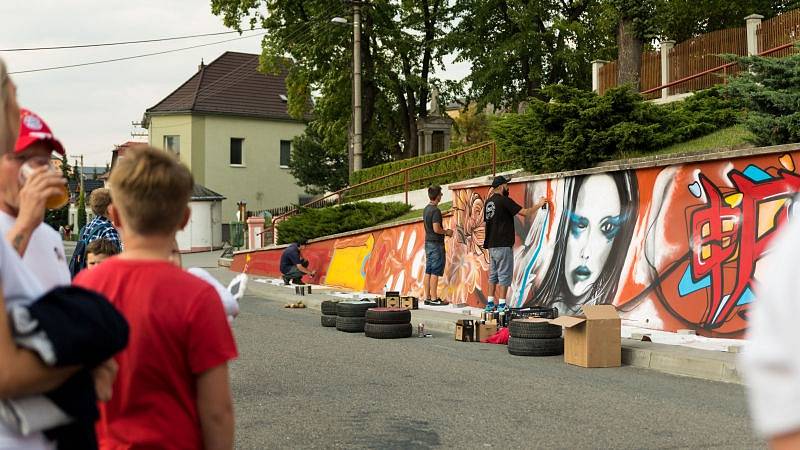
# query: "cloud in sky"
91,108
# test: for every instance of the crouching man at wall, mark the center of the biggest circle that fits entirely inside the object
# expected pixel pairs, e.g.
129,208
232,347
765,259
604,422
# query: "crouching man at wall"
293,266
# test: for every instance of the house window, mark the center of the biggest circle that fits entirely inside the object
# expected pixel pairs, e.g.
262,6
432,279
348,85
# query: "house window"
172,144
286,150
237,158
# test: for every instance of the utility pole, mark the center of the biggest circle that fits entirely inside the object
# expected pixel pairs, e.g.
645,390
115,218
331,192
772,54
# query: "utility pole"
357,147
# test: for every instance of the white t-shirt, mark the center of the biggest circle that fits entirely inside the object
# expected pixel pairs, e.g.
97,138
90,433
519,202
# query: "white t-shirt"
771,360
44,256
19,287
228,302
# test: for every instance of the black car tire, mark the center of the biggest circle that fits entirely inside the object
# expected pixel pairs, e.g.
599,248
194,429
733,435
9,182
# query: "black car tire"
535,347
388,331
350,324
533,330
353,309
388,316
328,320
329,307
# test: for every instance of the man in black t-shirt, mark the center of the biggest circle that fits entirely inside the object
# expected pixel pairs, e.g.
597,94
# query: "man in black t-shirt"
434,246
499,213
293,266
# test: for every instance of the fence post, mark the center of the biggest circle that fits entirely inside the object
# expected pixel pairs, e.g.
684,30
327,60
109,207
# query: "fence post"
753,21
494,159
597,64
666,47
405,184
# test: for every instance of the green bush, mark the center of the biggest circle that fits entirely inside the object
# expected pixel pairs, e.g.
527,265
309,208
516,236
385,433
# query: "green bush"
456,169
576,129
314,223
770,89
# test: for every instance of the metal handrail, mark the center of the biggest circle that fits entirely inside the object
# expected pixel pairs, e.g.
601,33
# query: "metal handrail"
406,181
715,69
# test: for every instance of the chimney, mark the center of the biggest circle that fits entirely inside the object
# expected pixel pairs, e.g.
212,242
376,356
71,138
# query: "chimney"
201,66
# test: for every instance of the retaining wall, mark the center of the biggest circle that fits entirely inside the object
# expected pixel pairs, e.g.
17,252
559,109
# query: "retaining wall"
673,243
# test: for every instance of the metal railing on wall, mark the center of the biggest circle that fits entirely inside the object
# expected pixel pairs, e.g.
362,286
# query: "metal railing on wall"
404,180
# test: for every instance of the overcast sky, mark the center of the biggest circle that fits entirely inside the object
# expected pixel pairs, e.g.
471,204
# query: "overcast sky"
91,108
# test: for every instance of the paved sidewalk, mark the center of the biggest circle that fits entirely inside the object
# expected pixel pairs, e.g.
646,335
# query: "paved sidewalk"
672,359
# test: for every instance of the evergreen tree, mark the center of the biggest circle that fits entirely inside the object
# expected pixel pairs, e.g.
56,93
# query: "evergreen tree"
770,90
81,213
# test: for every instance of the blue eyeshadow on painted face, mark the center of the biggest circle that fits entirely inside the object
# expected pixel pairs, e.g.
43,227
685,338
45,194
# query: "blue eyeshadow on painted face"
609,226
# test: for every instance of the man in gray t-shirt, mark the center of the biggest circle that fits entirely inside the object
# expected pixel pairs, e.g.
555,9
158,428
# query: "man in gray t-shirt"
434,246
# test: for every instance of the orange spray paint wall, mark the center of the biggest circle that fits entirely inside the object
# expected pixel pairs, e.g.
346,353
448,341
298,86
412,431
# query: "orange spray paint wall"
672,247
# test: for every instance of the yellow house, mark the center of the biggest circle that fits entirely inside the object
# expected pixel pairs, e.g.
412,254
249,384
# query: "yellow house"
229,124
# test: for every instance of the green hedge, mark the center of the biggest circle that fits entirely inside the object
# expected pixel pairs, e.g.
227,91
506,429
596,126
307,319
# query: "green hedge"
575,129
313,223
394,184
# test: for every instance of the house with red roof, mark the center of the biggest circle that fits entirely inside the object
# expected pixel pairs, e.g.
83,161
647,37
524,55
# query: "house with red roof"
229,123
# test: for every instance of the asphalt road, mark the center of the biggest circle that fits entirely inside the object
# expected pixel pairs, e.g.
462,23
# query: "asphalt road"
299,385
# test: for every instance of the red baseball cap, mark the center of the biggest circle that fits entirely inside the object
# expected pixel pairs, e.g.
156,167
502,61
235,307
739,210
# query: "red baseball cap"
33,129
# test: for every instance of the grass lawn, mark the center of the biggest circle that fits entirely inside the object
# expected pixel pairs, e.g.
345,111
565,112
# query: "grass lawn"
734,137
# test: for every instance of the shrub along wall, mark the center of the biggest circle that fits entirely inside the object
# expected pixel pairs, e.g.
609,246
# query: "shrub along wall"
571,129
314,223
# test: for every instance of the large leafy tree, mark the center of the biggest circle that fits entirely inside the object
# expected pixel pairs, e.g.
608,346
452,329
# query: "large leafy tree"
516,47
400,51
680,20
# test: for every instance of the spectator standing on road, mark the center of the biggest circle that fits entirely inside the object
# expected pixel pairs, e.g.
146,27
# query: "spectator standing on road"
98,228
499,215
173,389
22,206
771,360
22,373
98,251
434,246
293,265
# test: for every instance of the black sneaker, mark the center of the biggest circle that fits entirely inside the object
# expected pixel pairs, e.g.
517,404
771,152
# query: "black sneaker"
286,281
438,302
428,302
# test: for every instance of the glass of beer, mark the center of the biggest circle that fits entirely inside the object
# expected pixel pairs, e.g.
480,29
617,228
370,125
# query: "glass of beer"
57,201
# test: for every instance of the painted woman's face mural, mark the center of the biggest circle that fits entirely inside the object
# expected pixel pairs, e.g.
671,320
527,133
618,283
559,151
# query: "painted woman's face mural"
593,225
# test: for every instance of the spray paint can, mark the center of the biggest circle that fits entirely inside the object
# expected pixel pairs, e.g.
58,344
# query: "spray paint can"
421,330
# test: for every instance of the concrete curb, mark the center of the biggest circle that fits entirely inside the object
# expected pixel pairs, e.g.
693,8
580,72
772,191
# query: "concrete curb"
688,362
671,359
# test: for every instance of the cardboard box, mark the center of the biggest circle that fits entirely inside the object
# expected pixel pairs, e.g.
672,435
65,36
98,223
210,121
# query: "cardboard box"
593,339
392,302
380,301
484,331
465,330
409,302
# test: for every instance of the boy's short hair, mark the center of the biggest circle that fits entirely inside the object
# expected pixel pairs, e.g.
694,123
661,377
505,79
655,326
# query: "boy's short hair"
102,247
99,200
151,189
434,191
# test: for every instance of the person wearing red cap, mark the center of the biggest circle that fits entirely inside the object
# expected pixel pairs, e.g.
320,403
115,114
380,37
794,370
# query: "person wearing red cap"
22,206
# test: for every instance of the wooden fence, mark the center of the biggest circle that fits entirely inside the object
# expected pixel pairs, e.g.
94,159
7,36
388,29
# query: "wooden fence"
779,30
705,52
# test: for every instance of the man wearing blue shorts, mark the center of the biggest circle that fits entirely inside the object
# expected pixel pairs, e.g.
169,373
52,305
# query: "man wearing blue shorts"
499,215
434,246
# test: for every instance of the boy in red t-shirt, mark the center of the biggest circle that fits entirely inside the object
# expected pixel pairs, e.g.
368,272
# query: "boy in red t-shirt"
172,389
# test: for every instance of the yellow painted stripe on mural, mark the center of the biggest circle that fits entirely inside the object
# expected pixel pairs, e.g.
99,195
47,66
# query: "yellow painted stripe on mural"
347,264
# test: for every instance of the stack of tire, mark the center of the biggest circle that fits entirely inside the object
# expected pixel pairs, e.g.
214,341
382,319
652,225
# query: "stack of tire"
388,323
329,313
532,338
350,316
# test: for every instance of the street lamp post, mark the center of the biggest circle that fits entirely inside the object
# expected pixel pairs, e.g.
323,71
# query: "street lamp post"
357,135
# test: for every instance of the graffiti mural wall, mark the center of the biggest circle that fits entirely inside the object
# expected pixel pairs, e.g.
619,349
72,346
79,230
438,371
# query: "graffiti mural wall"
672,247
